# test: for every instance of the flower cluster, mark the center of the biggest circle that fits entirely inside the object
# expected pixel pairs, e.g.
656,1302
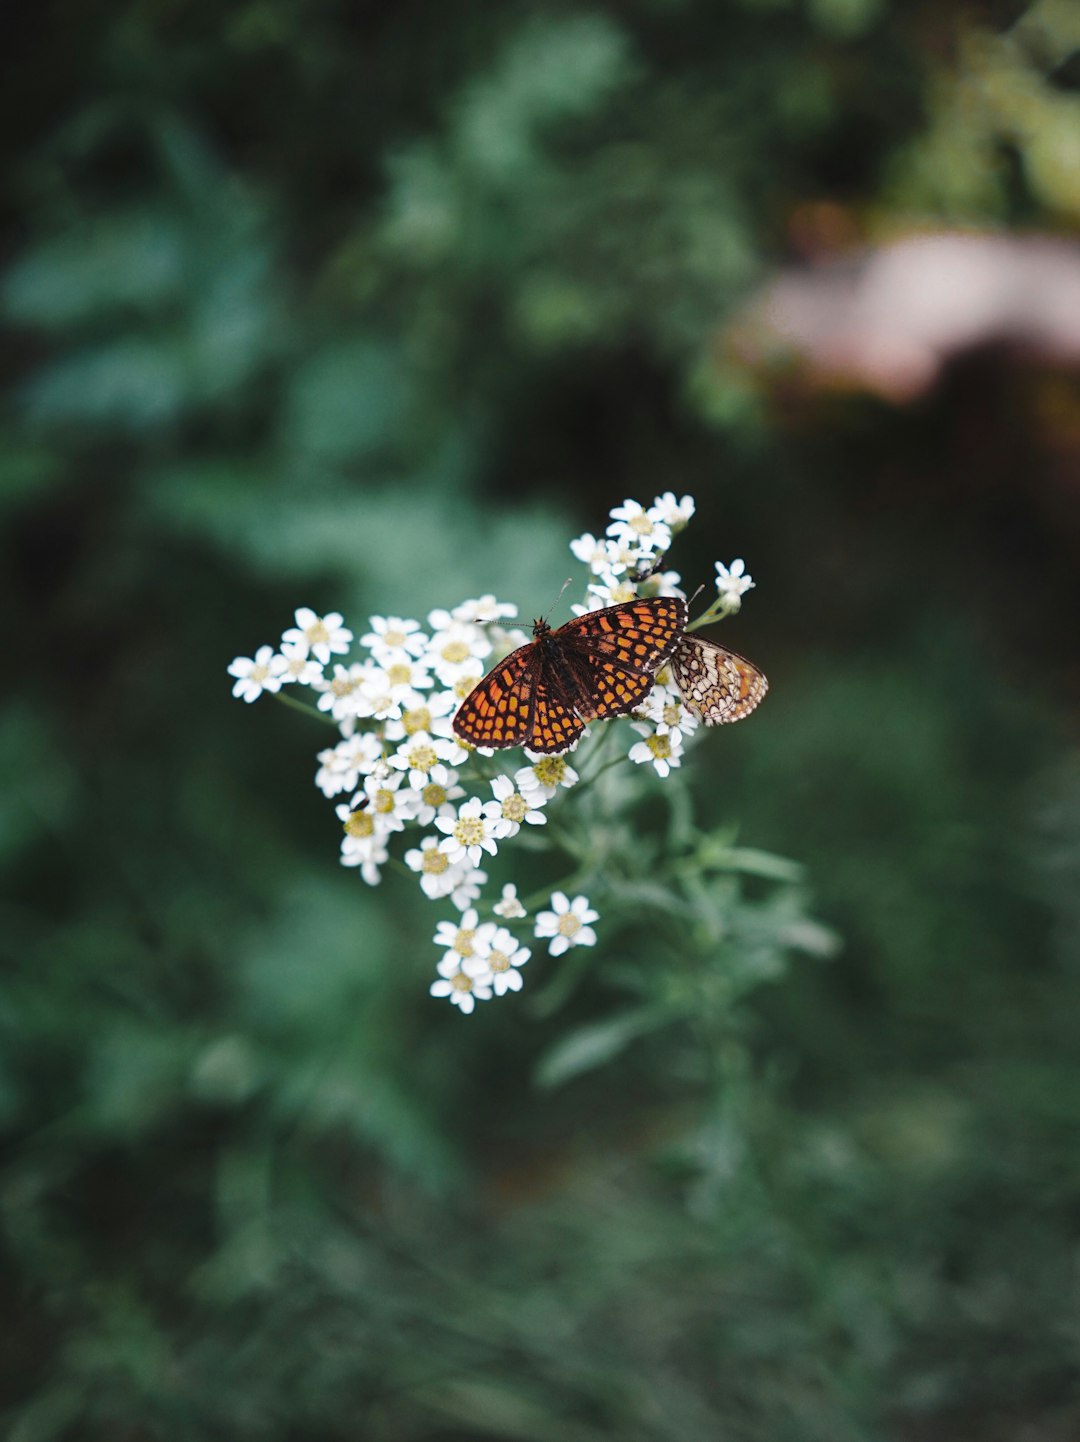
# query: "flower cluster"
391,696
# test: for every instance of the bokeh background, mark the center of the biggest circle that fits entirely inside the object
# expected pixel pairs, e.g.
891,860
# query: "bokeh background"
372,308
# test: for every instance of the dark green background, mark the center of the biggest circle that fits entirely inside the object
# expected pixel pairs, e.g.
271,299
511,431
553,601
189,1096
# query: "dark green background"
372,308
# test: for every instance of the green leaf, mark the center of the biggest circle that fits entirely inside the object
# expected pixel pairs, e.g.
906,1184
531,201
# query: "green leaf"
750,861
602,1041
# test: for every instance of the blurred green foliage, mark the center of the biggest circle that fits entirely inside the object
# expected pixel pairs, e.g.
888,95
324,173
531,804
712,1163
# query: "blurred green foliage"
373,308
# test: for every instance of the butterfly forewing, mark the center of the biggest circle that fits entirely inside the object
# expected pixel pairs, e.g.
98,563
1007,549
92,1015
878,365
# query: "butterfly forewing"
498,711
718,685
638,635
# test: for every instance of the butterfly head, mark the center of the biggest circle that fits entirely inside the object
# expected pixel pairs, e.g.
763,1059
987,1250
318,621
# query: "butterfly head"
540,629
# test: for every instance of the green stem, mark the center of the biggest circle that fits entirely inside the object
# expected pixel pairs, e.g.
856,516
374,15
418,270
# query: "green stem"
323,716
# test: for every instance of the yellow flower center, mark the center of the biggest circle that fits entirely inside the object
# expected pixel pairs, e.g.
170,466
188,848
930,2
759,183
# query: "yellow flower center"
499,961
660,746
259,673
515,807
569,924
455,652
343,685
642,525
400,675
384,801
435,861
422,758
394,639
671,713
360,824
461,982
317,634
464,943
418,719
434,794
463,685
469,831
663,676
550,771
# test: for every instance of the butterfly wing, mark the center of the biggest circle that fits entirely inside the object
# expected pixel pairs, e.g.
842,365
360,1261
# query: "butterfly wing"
637,636
555,727
498,711
613,654
717,684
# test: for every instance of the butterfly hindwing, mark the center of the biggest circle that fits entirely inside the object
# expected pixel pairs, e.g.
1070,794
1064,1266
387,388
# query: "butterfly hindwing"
718,685
555,727
611,690
498,711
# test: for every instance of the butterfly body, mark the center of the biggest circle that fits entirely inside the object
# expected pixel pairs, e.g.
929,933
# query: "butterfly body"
598,665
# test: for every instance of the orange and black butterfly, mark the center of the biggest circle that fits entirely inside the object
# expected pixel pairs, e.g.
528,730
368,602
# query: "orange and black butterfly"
716,684
598,665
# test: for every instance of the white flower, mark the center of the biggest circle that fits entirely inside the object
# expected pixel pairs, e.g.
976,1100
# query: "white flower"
567,924
323,634
454,648
341,694
435,796
407,677
510,809
625,555
460,937
662,752
420,755
672,513
666,583
375,696
503,956
540,781
295,666
468,883
341,766
430,713
732,582
610,592
632,522
504,641
484,610
463,990
437,876
364,842
510,908
469,834
670,714
253,677
390,805
591,552
392,639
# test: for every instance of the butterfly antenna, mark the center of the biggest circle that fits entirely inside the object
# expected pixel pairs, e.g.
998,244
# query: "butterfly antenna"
558,598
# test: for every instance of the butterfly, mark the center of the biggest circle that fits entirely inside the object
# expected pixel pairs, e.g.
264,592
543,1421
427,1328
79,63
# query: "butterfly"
600,664
716,684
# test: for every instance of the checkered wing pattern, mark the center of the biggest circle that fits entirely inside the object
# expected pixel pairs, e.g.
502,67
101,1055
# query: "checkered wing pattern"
600,664
555,727
636,636
498,712
718,685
